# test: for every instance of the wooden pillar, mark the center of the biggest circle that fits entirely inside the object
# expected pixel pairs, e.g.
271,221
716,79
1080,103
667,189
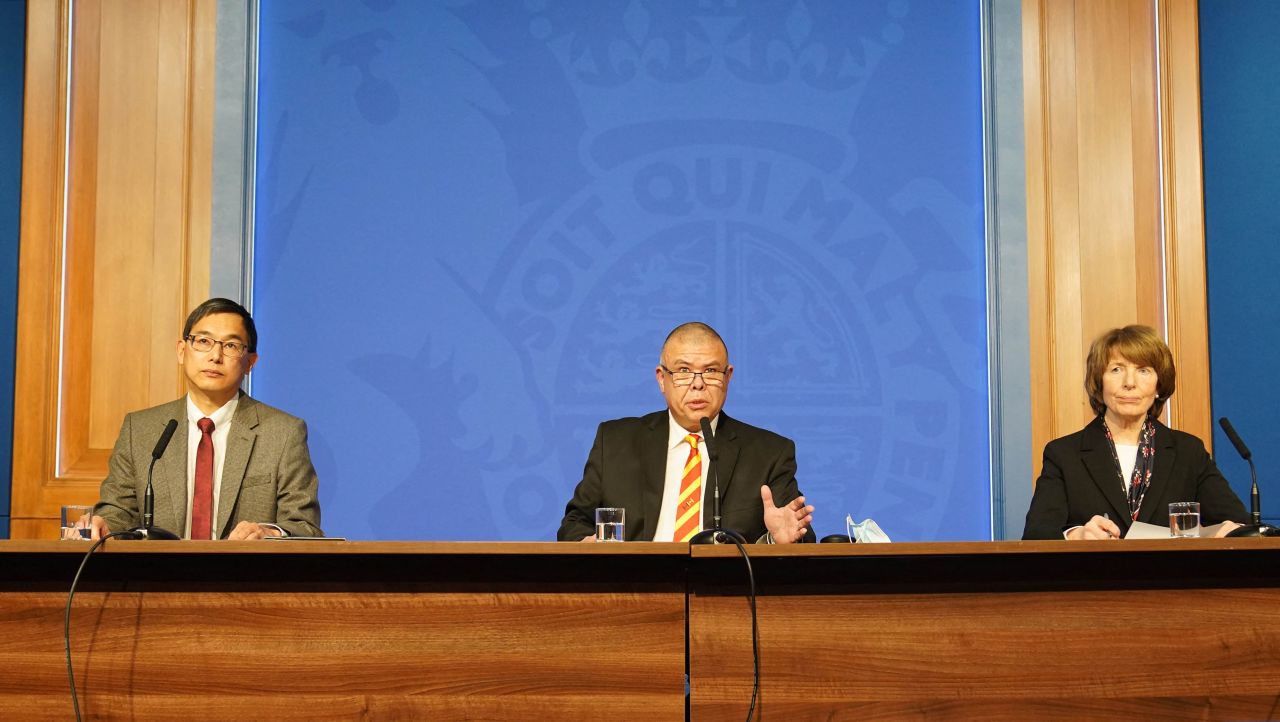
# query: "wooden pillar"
1114,197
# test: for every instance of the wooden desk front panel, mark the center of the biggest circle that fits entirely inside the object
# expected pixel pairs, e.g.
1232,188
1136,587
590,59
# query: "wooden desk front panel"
495,646
943,637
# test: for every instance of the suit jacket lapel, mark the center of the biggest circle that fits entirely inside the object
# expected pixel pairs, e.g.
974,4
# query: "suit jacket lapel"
726,446
240,442
1095,452
655,471
1154,509
169,481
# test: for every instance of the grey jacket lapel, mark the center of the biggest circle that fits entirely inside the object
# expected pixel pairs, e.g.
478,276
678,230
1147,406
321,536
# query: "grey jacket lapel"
169,481
240,443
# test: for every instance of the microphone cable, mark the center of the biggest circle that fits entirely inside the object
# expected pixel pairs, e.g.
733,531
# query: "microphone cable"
755,627
66,617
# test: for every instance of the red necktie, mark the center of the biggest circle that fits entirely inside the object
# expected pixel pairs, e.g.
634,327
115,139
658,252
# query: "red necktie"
689,508
202,501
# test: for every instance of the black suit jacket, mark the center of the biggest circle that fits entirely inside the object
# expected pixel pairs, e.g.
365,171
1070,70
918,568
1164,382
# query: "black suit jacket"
1080,479
627,468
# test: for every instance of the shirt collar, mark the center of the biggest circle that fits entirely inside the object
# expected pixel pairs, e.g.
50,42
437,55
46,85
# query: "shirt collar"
676,432
220,418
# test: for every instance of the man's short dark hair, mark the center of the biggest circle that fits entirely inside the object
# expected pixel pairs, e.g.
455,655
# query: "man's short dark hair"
223,305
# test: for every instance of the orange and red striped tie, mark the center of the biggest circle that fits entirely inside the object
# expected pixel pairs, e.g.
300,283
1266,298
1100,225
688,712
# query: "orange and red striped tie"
689,508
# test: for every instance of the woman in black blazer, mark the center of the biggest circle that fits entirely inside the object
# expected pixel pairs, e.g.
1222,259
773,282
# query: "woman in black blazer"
1126,466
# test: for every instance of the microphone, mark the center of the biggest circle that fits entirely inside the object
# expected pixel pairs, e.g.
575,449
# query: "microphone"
148,530
1243,451
163,442
1255,506
716,534
712,451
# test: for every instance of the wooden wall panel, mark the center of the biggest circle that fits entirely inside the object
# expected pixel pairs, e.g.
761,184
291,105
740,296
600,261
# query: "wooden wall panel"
1183,171
41,226
1115,230
115,231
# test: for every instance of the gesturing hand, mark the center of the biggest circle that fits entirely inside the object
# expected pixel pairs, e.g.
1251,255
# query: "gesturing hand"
786,524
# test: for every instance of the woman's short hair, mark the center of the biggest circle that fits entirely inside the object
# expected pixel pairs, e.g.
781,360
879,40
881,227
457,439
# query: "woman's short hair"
1140,345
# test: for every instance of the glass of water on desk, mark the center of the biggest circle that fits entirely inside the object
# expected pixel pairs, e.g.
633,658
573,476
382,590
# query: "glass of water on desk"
610,524
76,521
1184,519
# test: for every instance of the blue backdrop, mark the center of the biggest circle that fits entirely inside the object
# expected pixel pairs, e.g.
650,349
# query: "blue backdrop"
13,26
1241,113
476,222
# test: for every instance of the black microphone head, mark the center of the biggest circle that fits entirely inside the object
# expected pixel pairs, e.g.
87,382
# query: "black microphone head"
708,437
1235,439
163,443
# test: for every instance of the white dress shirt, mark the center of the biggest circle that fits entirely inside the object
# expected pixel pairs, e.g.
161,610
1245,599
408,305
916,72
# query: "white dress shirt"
677,455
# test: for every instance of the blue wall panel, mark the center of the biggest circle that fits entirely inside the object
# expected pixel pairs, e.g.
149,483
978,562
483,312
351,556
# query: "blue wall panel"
1240,98
12,51
476,221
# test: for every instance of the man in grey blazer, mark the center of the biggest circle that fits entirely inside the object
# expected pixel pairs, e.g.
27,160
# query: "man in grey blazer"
235,468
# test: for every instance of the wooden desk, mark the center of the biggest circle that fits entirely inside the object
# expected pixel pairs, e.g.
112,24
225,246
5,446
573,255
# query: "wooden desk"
1169,629
342,630
1178,629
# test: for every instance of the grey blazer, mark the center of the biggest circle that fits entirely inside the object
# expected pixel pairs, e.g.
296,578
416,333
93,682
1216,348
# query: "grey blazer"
266,475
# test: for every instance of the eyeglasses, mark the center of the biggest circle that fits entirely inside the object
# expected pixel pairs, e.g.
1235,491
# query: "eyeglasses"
230,349
684,377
